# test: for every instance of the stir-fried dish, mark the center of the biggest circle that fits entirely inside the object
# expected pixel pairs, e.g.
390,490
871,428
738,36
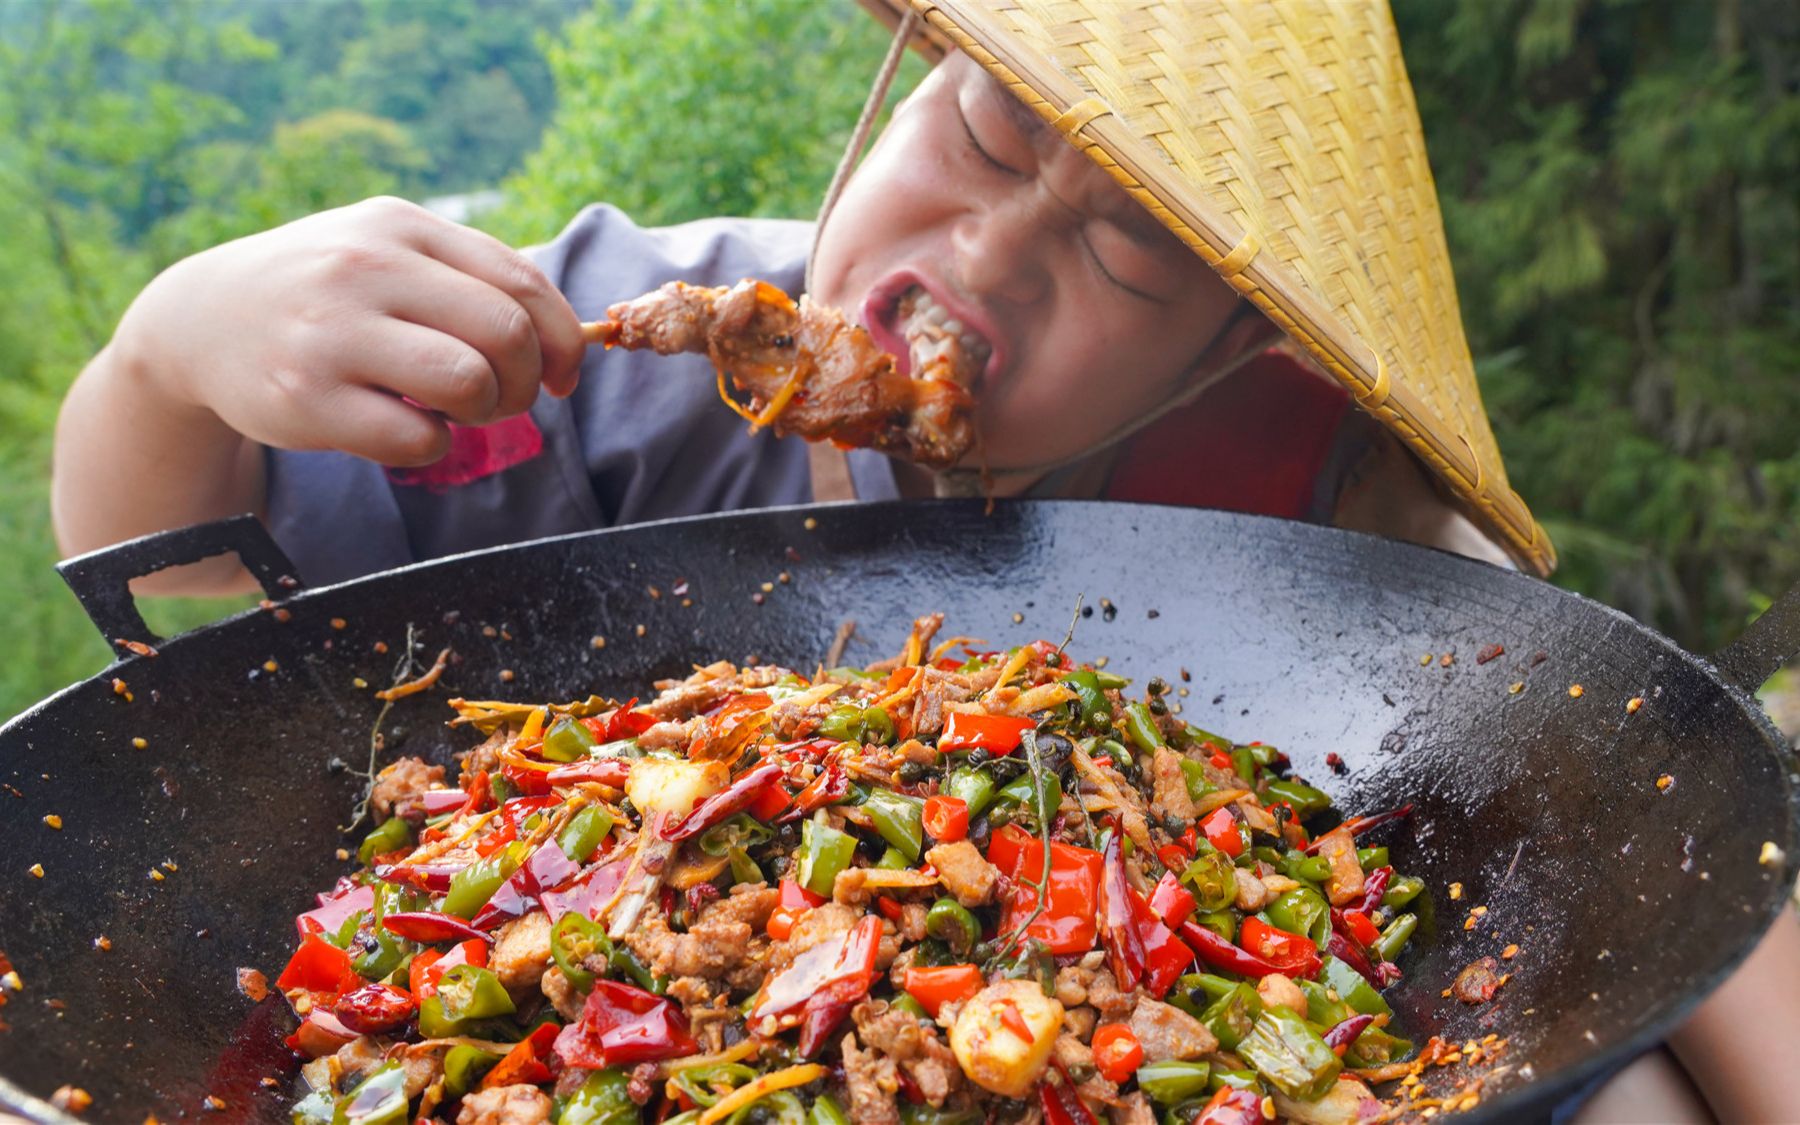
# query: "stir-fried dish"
809,371
952,887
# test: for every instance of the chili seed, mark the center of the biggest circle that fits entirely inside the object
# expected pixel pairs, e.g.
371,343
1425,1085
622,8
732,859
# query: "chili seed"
54,821
1515,688
271,667
381,646
1632,704
338,623
1456,891
1018,618
640,630
597,643
37,870
1664,782
103,943
506,675
810,524
1509,953
1575,691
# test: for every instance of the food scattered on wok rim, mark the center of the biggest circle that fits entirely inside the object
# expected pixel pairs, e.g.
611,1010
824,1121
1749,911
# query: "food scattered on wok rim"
954,886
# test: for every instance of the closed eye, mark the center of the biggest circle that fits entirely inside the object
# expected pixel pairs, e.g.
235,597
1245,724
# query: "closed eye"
1100,265
980,150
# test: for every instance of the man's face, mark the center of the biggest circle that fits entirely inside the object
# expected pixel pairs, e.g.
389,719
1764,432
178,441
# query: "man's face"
1092,312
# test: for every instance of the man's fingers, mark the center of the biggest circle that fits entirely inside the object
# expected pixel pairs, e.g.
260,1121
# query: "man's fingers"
557,328
435,369
491,321
382,428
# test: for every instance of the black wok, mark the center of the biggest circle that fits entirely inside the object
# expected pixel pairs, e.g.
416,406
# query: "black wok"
1629,902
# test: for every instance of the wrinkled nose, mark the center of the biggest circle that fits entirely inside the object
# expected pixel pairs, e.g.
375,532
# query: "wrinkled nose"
1003,252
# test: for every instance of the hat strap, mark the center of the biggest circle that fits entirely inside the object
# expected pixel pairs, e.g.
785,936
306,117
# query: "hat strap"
884,81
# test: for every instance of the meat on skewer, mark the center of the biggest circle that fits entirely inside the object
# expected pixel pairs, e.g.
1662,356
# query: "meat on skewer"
807,369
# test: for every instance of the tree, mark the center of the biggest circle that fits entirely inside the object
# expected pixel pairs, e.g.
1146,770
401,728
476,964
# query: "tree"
678,109
1617,178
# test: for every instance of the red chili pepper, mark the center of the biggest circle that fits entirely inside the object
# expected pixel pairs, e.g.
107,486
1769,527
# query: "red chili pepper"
532,783
937,985
1118,929
437,802
622,1024
997,734
319,1034
318,966
432,877
852,976
426,926
374,1008
1292,954
1117,1052
1061,1104
1231,1106
1358,926
722,806
1222,954
1360,824
620,724
548,867
588,891
1340,1037
1221,760
1380,975
1221,831
333,909
480,795
829,786
1067,924
1172,902
1173,857
1374,887
527,1062
429,966
795,900
947,818
837,970
1013,1020
606,771
890,909
1190,840
770,803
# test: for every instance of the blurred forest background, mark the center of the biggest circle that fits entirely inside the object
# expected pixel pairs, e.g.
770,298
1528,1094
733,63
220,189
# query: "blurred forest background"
1618,178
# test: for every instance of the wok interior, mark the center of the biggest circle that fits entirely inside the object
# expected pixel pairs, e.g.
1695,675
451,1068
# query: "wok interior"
1626,900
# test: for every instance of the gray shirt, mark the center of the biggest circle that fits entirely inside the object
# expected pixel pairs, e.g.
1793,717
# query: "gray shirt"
643,437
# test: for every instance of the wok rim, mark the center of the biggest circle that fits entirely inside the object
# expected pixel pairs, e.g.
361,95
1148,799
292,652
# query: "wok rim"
1565,1083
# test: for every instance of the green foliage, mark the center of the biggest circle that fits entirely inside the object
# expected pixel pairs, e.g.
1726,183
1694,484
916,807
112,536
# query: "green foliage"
1617,179
680,109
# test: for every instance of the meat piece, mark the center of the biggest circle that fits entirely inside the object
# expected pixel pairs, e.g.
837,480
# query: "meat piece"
1346,1103
358,1058
1073,1055
664,736
522,952
1278,991
683,699
485,757
1346,882
1477,983
811,372
709,949
1133,1109
912,921
1072,985
641,1086
1104,995
400,789
522,1104
871,1082
749,903
1080,1022
423,1066
1170,791
562,994
1252,893
1167,1032
964,872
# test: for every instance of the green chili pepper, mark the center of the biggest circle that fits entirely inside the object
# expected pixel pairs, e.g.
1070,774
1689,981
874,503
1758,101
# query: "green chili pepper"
1324,1007
1394,938
1401,890
1302,911
924,1114
379,1099
826,1111
1108,681
1290,1055
502,789
623,961
1115,749
582,835
602,1100
974,785
1195,775
951,923
1213,879
1231,1017
383,954
1242,763
1263,754
1140,728
905,1002
1236,1079
1020,793
1090,701
568,740
1375,1047
572,941
1371,858
851,723
701,1083
390,835
743,868
315,1108
1199,736
740,831
892,860
471,887
1221,922
900,821
1305,799
463,1067
1353,989
1171,1081
470,992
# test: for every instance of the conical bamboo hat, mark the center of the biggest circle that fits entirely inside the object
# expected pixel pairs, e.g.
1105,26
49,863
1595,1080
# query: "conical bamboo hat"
1280,141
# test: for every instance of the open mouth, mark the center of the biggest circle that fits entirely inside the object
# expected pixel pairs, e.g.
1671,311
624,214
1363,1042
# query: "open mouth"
938,346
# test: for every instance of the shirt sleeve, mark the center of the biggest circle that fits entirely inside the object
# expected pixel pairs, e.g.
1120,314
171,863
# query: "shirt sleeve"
334,515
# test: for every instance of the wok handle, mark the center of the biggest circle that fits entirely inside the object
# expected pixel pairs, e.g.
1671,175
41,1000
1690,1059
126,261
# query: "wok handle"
1770,642
102,579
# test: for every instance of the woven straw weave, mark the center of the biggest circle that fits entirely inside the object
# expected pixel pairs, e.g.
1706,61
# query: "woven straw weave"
1279,140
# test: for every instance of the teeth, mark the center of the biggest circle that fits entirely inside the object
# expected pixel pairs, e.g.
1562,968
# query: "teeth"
931,331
